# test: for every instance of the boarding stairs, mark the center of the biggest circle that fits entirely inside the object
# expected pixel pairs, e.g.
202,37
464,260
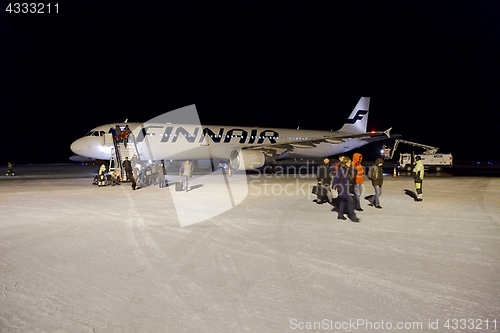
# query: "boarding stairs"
118,154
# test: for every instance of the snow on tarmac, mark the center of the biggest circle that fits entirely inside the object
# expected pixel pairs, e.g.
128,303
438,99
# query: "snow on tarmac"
78,258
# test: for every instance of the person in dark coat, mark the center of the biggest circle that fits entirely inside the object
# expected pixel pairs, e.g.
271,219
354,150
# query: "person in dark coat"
118,134
127,166
376,175
324,177
113,133
336,167
134,184
342,183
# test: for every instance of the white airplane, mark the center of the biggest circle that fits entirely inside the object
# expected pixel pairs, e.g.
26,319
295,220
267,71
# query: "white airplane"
244,147
81,159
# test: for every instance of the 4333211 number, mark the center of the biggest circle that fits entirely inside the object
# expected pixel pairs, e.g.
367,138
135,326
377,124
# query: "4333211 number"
32,8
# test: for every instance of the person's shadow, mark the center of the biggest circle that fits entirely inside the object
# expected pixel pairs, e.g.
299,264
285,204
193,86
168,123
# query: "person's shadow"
411,194
194,187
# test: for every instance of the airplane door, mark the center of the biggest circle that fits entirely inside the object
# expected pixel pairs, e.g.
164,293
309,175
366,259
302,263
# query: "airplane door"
107,139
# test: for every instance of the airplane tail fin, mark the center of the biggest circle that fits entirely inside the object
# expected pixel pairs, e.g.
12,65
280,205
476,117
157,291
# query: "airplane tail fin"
358,120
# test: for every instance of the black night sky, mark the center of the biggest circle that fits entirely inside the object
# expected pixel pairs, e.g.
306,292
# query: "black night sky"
431,69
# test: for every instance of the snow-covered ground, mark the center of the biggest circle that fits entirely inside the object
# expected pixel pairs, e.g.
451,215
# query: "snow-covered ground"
78,258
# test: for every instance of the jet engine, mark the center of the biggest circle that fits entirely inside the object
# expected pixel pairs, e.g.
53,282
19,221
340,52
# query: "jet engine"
247,159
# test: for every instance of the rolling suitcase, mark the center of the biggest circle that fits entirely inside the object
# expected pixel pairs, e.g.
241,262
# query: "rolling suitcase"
179,186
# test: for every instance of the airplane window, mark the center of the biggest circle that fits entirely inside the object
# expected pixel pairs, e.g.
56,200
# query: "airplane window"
101,133
95,133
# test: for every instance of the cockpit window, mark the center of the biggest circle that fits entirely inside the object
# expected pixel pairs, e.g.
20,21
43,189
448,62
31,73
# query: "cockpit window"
95,133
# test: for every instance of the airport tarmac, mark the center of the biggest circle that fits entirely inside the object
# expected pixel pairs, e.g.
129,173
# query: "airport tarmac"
78,258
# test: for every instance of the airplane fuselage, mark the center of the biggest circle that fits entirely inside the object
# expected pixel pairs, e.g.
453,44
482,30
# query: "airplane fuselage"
179,142
245,147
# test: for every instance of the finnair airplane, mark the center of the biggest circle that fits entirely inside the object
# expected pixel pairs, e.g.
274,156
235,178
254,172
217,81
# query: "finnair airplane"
245,148
82,159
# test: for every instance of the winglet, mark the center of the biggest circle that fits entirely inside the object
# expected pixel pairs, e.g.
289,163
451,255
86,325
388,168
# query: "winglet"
388,132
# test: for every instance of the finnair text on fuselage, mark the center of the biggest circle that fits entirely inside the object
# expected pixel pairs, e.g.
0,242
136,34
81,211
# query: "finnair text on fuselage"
171,133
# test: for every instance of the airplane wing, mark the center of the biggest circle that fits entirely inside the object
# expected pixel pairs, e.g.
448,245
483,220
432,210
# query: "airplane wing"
337,138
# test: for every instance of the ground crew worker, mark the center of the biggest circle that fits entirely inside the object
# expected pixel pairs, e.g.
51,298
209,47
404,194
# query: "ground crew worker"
102,175
418,177
10,170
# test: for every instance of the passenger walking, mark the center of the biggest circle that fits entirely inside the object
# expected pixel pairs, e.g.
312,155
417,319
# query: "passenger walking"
134,184
125,134
341,182
186,171
154,170
118,132
113,133
137,171
135,160
161,175
148,171
336,168
376,175
140,171
127,166
358,177
418,177
324,177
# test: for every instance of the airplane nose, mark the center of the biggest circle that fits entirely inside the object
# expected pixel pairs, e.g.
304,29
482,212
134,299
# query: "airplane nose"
77,146
91,147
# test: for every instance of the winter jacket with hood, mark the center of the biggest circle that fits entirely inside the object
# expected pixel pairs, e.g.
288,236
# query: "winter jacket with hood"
376,173
358,168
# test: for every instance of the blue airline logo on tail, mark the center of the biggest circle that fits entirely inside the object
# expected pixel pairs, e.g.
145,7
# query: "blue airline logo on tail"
359,115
